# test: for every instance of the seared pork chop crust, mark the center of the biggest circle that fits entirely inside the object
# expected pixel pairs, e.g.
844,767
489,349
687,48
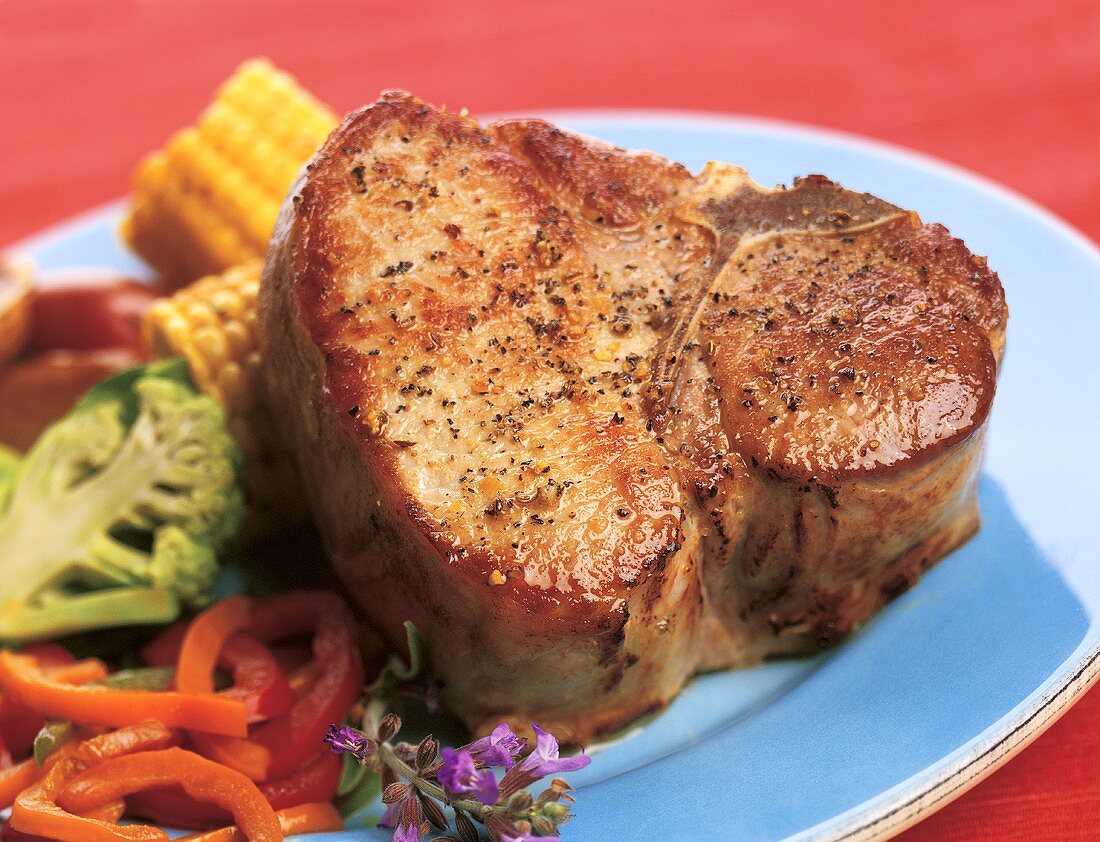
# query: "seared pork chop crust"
593,423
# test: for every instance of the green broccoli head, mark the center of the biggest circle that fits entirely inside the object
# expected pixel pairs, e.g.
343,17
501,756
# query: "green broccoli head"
185,565
117,514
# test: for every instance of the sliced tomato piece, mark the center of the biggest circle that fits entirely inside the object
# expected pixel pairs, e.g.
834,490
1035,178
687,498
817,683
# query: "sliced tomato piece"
89,309
45,386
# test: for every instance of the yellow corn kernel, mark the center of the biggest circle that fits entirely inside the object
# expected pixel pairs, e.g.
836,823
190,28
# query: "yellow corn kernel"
211,324
208,200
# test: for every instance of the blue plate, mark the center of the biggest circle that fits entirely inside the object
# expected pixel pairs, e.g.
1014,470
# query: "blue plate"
951,679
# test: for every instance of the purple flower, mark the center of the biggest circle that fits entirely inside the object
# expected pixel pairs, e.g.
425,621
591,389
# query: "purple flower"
460,776
346,740
544,759
500,748
411,817
392,816
406,833
526,837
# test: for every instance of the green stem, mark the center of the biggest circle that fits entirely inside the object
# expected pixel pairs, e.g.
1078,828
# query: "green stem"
475,808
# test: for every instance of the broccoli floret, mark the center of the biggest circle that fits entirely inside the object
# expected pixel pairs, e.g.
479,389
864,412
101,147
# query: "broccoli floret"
118,513
9,463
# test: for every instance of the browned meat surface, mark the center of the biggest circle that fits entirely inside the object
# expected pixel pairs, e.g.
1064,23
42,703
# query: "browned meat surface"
595,424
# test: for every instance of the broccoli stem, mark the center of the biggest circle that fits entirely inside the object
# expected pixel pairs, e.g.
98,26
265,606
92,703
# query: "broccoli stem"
95,610
40,555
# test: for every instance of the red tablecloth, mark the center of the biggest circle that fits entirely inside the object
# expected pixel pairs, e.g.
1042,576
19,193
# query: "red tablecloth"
1011,90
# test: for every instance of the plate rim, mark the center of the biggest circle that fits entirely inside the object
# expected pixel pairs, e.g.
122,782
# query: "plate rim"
917,797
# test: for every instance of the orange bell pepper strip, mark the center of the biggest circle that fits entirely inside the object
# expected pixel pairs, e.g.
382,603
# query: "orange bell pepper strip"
36,812
200,778
250,759
141,736
17,778
314,783
305,818
19,725
95,705
78,673
204,640
109,813
198,655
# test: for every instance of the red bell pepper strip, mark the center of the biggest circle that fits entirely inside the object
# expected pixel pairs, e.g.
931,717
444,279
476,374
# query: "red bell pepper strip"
292,739
49,655
316,781
173,807
164,649
257,679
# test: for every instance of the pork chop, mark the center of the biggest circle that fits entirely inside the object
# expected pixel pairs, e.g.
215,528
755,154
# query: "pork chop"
594,423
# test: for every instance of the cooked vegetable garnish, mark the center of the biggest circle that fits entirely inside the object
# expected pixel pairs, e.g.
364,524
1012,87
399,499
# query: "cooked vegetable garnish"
14,779
305,818
292,739
21,676
200,778
173,807
279,747
116,515
55,734
205,638
212,324
209,200
36,810
257,678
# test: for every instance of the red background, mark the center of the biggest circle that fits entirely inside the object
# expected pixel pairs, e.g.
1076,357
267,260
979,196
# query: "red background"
1009,89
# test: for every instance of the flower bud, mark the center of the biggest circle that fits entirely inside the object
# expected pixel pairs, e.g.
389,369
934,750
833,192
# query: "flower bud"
395,792
467,832
520,802
388,727
433,812
555,811
389,777
547,796
426,752
543,826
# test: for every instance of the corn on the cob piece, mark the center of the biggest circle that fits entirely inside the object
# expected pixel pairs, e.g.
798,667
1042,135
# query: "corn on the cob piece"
209,199
212,323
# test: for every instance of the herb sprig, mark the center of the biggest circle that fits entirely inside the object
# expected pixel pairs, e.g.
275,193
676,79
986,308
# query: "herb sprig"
418,781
